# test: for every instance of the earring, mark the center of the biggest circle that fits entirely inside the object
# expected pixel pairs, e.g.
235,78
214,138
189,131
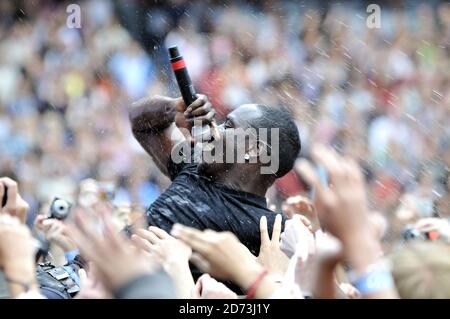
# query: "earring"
247,156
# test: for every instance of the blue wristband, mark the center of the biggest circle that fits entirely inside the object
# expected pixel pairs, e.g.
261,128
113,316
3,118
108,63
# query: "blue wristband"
73,274
70,255
373,282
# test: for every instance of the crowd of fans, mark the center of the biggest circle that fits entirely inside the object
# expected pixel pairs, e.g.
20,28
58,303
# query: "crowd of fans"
378,96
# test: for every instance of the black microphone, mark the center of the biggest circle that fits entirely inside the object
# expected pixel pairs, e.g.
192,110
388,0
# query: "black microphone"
187,90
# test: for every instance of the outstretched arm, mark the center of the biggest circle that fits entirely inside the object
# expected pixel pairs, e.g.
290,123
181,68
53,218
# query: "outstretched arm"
153,125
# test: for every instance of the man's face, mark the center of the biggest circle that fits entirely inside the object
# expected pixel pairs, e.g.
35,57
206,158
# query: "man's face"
237,135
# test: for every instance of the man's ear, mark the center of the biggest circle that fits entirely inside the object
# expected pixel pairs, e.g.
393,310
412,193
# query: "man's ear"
258,149
253,153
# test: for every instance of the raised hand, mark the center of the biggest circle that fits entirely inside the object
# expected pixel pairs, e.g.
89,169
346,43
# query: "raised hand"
300,205
207,287
297,237
165,247
90,286
270,254
200,110
17,255
342,207
115,259
222,256
172,254
343,212
15,205
55,231
316,274
217,253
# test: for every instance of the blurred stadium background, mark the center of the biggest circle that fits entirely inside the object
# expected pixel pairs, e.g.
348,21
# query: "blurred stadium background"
379,95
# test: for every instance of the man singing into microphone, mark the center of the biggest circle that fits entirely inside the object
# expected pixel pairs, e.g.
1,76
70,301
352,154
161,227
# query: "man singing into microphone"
218,195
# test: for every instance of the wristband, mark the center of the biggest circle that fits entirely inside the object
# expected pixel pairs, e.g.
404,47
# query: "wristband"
376,278
252,290
374,282
70,255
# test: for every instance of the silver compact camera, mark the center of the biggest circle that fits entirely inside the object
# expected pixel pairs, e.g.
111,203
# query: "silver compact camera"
60,208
